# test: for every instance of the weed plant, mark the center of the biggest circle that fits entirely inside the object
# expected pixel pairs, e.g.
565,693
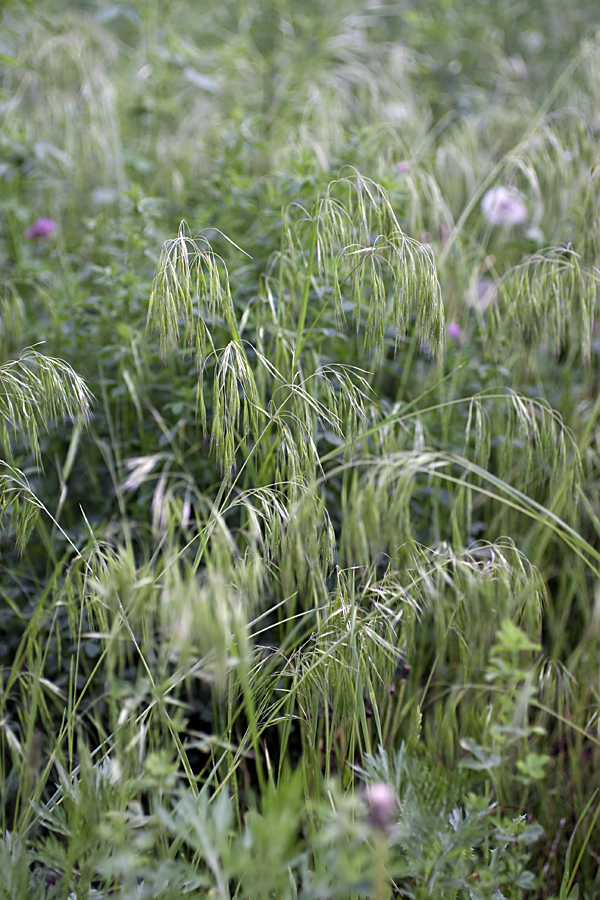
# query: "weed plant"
300,479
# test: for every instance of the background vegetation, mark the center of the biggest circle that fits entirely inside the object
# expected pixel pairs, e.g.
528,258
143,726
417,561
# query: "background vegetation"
300,480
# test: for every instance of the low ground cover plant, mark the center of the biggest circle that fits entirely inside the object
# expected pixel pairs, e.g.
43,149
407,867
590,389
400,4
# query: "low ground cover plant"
299,424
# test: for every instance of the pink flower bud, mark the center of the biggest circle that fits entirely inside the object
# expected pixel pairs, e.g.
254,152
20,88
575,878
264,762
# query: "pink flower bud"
382,805
41,230
504,206
454,332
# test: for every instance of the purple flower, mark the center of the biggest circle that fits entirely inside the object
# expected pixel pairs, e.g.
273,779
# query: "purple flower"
454,331
504,206
382,805
41,230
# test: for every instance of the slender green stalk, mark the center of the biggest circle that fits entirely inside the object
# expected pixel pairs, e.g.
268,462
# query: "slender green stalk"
305,293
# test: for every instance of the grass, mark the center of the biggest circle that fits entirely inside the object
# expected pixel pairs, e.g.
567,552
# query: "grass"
300,494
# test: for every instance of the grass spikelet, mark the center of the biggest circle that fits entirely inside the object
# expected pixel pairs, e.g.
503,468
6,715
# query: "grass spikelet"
188,292
17,498
65,100
548,299
36,389
372,248
236,407
533,435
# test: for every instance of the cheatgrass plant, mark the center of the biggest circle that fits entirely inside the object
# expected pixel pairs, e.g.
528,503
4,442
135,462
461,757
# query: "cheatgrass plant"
308,606
36,392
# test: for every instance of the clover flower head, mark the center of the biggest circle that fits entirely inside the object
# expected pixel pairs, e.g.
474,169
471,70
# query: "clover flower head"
382,805
41,229
504,206
454,332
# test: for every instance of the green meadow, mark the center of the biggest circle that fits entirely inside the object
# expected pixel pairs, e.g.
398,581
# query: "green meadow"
299,450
